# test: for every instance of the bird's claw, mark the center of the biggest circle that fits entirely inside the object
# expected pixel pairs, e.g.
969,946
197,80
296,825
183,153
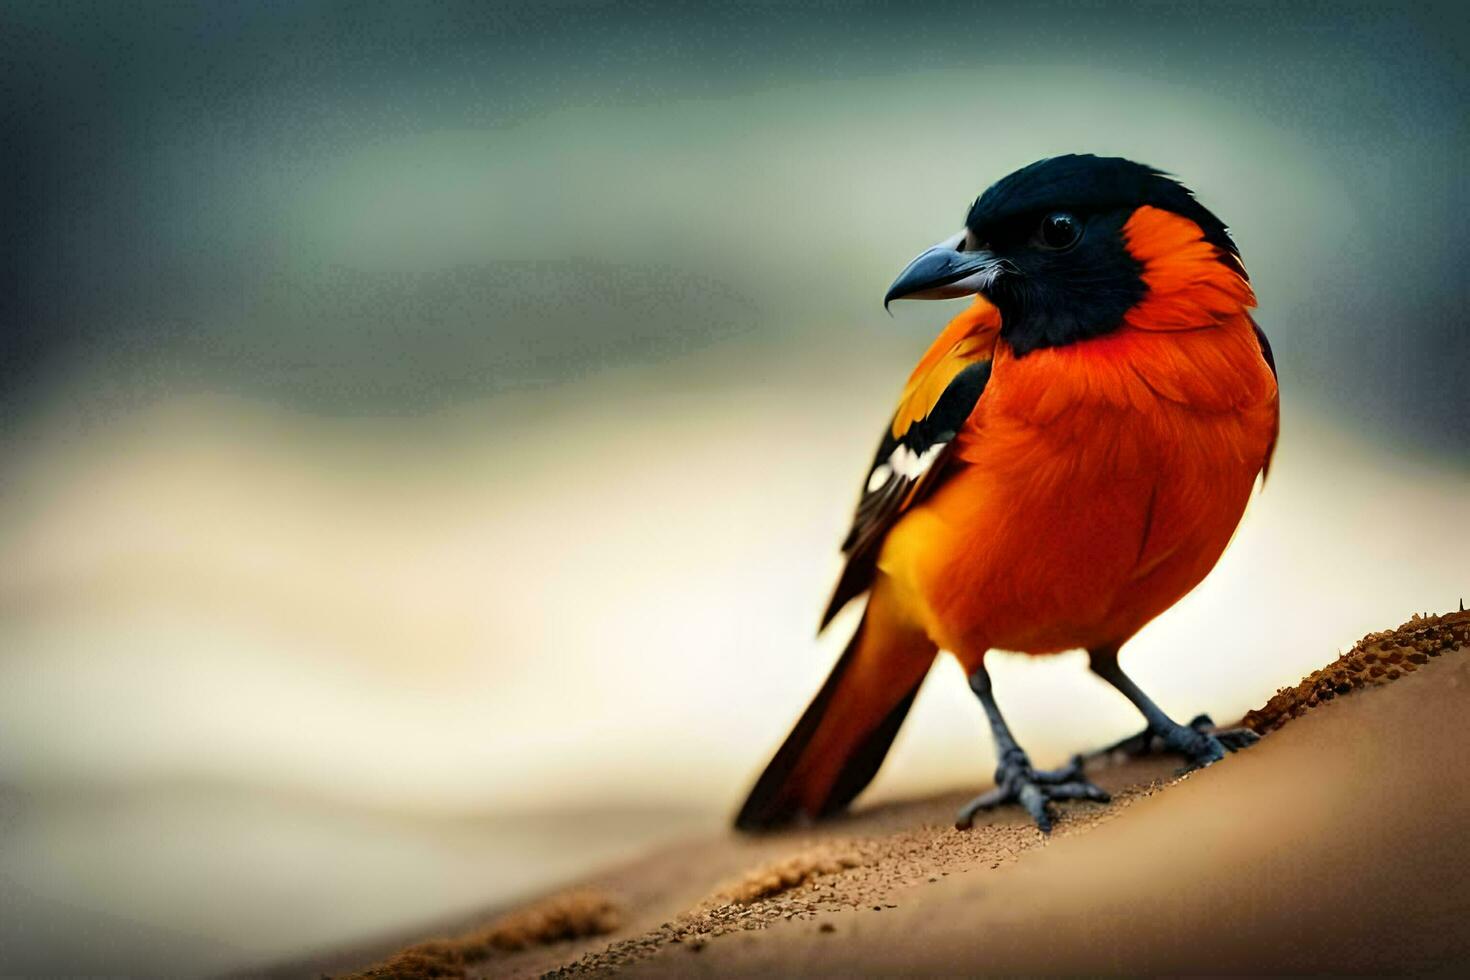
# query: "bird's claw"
1235,739
1035,790
1200,742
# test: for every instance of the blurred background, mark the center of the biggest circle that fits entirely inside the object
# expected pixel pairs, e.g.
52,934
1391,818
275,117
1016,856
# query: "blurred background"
426,430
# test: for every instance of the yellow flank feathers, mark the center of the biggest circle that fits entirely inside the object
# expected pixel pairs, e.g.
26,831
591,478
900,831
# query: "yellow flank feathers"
968,339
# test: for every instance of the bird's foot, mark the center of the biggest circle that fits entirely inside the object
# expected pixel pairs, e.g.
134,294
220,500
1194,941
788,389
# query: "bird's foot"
1199,742
1017,782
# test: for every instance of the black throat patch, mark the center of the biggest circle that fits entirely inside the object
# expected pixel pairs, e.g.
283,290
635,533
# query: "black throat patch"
1057,298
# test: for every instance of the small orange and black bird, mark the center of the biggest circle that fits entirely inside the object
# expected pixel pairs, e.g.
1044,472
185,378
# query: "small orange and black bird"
1069,458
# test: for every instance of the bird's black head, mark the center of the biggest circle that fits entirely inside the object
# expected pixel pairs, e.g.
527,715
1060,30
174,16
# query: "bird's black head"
1047,245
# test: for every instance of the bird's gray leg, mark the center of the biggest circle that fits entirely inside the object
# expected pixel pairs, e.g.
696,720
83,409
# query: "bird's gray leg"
1015,780
1199,741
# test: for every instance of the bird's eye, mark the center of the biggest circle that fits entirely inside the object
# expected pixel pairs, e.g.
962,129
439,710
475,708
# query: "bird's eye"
1058,230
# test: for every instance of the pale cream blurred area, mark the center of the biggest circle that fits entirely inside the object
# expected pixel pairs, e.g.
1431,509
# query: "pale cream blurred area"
426,434
270,680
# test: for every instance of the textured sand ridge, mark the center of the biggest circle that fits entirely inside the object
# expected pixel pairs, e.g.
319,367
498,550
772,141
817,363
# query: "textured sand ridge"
886,865
569,915
1377,658
809,895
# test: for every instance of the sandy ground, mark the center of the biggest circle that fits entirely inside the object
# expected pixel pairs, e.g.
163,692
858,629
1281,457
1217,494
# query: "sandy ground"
1340,843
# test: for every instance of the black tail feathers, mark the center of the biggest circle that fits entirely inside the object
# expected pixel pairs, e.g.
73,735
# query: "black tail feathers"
777,798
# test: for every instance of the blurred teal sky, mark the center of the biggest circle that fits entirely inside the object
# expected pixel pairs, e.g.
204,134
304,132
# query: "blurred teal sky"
424,426
387,208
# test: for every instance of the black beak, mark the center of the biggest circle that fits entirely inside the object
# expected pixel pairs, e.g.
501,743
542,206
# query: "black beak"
944,272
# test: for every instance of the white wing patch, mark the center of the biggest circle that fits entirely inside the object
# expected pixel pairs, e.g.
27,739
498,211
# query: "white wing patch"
904,463
904,470
911,465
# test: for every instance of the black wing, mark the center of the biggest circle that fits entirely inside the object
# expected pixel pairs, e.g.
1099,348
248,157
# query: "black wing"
905,470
